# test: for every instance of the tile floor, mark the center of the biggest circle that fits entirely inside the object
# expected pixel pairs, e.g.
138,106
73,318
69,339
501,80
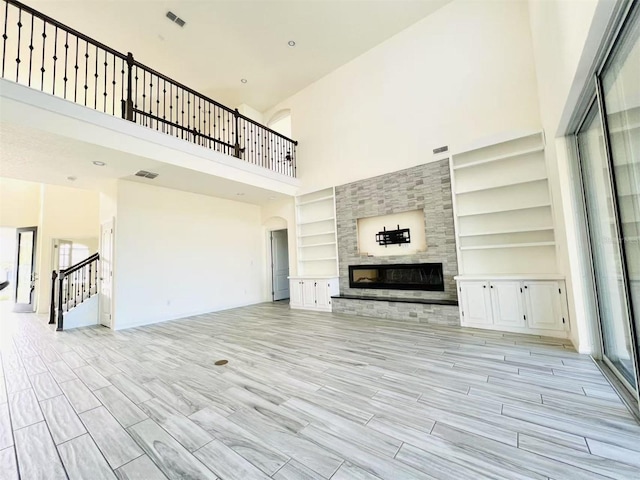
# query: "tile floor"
304,396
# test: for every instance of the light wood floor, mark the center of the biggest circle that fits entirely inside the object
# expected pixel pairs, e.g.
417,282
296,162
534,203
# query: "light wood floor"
304,396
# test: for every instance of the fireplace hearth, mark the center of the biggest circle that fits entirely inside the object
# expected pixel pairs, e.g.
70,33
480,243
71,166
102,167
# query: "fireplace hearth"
404,276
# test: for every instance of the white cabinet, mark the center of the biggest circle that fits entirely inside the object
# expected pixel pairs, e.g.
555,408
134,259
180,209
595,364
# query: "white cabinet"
544,306
309,293
475,303
506,304
516,305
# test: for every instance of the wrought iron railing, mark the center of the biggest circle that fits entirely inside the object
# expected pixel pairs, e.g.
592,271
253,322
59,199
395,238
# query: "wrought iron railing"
72,286
42,53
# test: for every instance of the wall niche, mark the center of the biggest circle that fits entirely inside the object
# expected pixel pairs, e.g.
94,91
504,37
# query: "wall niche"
369,228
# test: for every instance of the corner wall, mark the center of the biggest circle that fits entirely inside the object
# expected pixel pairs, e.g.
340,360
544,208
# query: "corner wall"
566,39
180,254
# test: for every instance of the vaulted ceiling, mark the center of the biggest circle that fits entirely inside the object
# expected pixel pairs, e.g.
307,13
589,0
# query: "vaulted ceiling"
224,41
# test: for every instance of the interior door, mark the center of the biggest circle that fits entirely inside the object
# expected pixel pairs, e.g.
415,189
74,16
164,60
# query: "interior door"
280,264
26,269
106,272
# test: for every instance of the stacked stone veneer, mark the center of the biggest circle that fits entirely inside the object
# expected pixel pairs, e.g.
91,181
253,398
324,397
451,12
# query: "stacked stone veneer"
426,187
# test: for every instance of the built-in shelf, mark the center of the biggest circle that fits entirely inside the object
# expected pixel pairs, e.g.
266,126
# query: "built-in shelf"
316,234
490,212
316,217
331,219
317,200
503,185
507,232
509,245
498,158
317,245
502,205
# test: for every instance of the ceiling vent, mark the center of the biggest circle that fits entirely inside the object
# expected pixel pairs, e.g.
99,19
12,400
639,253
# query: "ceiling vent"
145,174
175,19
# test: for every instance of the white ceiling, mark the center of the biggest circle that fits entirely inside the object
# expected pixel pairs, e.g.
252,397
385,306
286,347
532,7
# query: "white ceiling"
36,156
226,40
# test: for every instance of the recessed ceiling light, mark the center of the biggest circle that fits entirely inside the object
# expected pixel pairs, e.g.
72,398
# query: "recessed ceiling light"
72,179
243,80
291,43
98,163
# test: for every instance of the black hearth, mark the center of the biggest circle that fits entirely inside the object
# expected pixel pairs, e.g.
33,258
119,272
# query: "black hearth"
404,276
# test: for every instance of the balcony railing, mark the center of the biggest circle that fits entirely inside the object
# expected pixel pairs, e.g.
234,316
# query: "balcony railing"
44,54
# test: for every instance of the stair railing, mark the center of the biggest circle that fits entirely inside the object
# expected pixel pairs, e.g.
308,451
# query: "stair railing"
42,53
72,286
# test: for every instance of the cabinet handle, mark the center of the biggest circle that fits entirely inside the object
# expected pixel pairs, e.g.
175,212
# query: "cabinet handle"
484,286
491,286
526,286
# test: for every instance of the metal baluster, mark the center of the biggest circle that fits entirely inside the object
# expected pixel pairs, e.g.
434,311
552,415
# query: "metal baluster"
104,94
31,50
90,275
144,95
60,305
66,55
135,98
44,44
19,35
86,71
76,67
182,117
150,100
164,105
122,98
95,83
4,35
55,58
113,87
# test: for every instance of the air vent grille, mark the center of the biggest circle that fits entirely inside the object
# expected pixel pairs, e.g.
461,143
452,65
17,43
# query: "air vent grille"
145,174
440,149
175,19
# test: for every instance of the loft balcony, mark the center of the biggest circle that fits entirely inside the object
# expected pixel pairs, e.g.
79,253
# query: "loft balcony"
43,54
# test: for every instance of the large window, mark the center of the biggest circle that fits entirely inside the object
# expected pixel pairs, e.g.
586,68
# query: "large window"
609,150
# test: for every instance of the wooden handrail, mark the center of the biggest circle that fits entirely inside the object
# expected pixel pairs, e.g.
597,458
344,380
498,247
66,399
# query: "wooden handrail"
66,271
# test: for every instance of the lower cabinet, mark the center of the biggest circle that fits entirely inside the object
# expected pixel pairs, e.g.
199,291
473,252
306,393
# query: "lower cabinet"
312,293
536,306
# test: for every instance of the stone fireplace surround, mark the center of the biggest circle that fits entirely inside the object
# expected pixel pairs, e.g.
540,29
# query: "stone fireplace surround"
428,188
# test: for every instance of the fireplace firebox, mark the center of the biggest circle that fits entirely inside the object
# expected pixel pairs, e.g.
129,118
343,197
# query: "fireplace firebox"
403,276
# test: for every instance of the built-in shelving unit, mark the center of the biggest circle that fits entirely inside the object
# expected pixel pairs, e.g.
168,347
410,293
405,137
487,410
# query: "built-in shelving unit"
502,205
316,229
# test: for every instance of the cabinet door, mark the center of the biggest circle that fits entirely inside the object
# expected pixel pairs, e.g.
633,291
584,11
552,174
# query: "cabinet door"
543,305
506,304
476,305
309,293
323,296
295,288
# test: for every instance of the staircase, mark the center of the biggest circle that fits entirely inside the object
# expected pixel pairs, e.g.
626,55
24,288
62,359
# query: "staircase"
71,287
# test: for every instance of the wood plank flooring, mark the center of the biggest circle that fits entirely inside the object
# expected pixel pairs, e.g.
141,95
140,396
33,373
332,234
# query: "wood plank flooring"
304,396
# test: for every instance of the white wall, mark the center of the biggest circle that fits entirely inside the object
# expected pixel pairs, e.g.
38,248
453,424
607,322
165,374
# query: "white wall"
68,213
19,203
464,72
180,254
566,37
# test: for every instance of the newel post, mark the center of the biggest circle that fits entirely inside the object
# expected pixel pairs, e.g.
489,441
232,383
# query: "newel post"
127,107
52,308
237,133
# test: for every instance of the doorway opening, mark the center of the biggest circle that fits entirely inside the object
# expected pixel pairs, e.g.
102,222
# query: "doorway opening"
7,267
279,265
